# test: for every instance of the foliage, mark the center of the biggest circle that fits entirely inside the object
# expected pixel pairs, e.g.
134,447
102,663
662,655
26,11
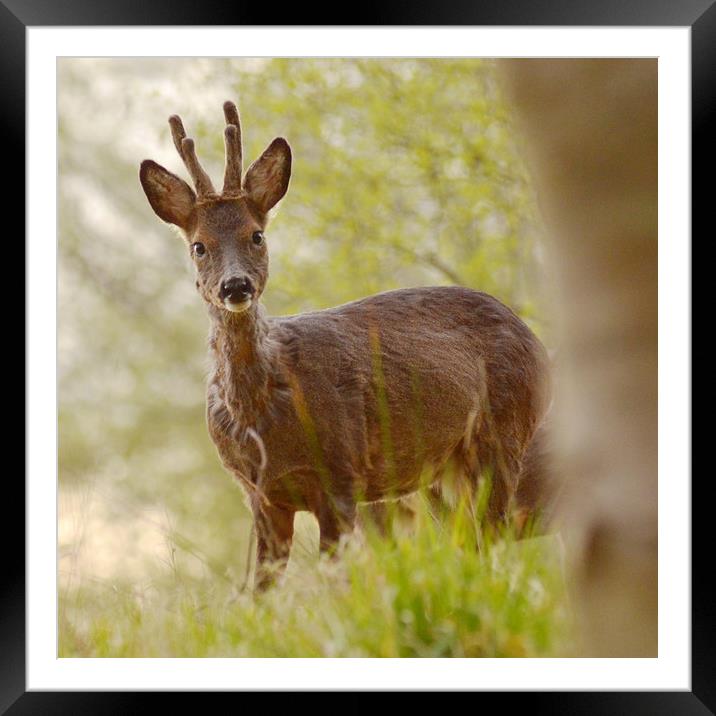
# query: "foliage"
426,593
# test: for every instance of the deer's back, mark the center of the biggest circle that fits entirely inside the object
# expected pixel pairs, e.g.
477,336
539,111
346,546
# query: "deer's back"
396,381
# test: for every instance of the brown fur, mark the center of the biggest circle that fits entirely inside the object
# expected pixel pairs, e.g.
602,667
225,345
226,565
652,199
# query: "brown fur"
363,402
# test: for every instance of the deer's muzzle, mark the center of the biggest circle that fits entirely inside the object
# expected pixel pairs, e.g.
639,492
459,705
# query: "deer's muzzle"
237,293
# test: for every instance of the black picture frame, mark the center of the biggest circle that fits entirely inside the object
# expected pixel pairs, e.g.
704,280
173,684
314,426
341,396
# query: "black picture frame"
17,15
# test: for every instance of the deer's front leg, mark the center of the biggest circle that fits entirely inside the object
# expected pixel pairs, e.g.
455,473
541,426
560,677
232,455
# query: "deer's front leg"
274,533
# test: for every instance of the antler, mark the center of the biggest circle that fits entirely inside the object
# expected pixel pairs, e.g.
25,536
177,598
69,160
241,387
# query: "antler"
185,147
234,155
234,158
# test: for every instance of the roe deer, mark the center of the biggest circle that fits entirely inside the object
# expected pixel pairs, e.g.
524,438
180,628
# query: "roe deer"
351,404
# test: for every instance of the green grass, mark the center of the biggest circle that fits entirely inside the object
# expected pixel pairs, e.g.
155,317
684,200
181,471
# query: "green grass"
425,592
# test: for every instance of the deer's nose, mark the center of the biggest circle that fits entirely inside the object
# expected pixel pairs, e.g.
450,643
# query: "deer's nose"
236,290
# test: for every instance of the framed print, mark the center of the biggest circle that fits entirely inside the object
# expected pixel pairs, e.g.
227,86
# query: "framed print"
424,166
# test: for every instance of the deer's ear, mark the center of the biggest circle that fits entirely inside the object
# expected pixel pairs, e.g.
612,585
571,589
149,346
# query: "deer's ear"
171,197
266,180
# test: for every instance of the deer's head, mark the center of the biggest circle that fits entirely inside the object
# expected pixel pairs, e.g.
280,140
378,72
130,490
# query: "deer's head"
224,232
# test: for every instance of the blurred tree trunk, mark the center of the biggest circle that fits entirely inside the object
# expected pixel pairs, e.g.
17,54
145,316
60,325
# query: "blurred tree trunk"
591,127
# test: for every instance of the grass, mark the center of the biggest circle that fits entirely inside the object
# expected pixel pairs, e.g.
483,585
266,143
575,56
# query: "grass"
425,592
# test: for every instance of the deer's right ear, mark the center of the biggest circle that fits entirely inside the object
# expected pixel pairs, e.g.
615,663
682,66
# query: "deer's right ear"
171,197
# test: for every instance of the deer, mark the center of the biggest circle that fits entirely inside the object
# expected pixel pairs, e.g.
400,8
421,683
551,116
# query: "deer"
360,403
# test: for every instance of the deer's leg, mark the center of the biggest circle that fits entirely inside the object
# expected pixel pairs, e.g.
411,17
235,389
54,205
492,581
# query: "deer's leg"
500,500
336,516
503,468
374,515
274,533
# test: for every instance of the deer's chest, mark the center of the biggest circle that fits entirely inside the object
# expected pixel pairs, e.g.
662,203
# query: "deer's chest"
250,437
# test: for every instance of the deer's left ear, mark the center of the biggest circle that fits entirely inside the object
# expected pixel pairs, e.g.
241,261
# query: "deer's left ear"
266,180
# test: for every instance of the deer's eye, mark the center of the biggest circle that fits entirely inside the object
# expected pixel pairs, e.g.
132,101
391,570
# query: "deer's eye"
258,238
198,249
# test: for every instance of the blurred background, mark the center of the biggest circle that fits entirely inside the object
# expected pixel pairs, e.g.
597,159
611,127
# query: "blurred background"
406,172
